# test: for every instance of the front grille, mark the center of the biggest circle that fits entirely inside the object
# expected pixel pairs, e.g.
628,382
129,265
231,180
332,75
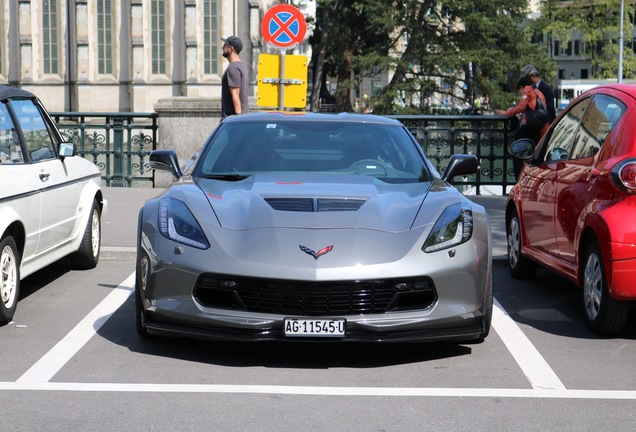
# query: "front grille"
296,298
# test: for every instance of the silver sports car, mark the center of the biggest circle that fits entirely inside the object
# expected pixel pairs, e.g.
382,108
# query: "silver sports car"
313,227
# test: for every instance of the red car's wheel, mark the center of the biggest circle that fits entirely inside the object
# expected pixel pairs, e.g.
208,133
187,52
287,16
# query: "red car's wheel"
605,315
520,267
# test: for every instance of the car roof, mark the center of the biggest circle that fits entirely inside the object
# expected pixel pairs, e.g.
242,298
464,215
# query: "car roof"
8,92
311,116
622,87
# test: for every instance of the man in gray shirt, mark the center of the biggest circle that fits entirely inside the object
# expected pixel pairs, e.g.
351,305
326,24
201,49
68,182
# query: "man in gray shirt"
235,81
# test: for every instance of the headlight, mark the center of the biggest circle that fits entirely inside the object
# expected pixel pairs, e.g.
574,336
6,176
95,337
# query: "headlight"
177,223
454,227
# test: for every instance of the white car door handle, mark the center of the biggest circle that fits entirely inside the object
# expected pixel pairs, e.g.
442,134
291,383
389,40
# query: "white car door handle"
44,176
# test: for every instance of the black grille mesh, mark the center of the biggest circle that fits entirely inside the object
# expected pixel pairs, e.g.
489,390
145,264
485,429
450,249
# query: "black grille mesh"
314,299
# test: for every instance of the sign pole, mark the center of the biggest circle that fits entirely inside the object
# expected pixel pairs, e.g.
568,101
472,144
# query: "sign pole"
281,93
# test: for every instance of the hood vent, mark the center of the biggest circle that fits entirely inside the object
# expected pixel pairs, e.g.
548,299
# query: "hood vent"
315,204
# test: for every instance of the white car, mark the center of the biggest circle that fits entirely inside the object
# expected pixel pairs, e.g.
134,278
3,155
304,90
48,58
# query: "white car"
51,201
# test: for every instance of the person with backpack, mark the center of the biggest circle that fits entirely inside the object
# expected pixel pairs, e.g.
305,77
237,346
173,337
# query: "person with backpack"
531,107
531,71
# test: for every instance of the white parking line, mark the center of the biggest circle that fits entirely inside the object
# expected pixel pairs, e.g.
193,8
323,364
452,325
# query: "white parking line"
533,365
544,381
45,368
323,391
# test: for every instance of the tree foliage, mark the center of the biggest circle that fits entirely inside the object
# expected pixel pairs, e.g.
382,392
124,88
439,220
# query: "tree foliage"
597,24
427,47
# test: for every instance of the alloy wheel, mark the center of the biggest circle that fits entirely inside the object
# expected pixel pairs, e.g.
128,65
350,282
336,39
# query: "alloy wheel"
592,286
95,232
8,277
514,242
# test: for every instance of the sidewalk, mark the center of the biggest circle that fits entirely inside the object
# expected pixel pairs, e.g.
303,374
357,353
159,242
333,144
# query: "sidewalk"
119,225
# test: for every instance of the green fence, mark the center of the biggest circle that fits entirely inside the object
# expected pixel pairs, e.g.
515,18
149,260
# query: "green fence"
118,143
487,137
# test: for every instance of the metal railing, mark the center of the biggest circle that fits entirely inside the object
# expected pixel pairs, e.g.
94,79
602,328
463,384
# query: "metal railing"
118,143
485,136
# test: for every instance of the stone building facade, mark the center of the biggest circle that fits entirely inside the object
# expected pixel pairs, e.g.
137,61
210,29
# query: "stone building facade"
124,55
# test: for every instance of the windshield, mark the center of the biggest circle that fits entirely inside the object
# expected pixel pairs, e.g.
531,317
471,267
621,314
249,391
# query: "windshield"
386,152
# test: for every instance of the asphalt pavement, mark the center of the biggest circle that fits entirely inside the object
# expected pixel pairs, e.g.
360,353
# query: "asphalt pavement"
119,225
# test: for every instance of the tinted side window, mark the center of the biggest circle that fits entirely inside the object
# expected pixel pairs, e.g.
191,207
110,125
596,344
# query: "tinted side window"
560,143
38,136
10,151
602,115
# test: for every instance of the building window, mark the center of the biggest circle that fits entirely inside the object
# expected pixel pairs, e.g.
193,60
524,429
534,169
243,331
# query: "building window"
562,49
376,88
584,74
158,28
561,73
49,36
211,37
104,37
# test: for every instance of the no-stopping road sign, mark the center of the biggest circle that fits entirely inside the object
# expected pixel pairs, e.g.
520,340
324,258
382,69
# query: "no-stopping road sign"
283,26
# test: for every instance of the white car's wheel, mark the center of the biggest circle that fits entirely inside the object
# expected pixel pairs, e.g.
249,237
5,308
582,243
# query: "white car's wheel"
87,256
9,279
605,315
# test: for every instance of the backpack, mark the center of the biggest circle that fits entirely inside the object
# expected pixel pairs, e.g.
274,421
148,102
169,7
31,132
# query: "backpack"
536,118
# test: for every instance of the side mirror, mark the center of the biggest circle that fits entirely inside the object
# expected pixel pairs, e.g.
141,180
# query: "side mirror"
165,160
66,149
461,164
522,149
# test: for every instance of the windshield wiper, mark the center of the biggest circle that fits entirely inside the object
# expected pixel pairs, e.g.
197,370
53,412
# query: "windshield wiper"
226,177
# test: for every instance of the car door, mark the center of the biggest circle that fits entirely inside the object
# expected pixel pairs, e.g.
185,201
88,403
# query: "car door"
58,183
538,185
20,198
576,184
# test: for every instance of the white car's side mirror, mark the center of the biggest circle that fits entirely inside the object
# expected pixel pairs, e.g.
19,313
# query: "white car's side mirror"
66,149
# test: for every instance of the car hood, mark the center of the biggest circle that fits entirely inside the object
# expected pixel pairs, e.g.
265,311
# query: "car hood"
317,201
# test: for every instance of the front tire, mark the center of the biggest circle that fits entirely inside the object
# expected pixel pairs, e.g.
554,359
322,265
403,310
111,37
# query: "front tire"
9,279
141,281
87,256
520,267
605,315
488,310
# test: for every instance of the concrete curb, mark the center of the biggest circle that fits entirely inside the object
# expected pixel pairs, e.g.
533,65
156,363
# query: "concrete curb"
110,252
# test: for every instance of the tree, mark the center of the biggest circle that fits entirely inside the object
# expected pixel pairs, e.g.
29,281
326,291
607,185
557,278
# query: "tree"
597,23
350,35
427,46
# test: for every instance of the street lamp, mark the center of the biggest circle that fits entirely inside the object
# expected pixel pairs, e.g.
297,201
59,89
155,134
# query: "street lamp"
620,45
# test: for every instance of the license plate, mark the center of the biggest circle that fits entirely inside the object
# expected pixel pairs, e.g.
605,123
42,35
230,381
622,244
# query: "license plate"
314,327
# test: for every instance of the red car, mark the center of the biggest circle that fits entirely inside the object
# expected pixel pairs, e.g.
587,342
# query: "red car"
573,209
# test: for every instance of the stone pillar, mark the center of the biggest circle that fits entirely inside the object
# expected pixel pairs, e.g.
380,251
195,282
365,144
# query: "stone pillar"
184,123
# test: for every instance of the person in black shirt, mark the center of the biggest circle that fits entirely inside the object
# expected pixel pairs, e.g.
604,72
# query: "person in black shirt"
533,73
